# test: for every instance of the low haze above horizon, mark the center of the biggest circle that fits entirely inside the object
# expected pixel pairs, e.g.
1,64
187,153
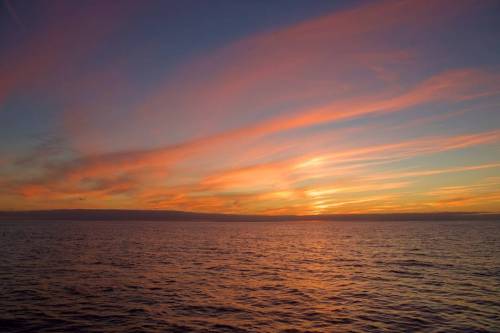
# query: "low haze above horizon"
250,107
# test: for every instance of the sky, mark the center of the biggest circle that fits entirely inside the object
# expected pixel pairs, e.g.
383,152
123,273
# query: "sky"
250,107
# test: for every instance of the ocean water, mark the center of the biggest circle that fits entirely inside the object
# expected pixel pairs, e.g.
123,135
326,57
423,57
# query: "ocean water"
250,277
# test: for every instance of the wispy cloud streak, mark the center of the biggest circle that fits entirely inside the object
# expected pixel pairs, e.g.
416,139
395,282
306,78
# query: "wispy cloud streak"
351,111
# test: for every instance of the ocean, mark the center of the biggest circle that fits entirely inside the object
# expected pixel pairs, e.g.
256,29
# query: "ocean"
138,276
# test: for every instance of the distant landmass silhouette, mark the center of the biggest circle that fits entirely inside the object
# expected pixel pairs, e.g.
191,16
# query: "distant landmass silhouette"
169,215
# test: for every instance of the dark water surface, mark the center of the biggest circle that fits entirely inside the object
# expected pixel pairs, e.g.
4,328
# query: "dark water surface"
249,277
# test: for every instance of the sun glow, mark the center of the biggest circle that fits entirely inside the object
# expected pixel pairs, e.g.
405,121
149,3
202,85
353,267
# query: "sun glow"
281,118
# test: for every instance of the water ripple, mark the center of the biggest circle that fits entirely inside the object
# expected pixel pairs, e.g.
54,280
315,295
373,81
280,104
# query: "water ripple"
250,277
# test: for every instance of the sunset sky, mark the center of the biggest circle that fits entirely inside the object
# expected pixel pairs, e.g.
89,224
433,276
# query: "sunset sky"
272,107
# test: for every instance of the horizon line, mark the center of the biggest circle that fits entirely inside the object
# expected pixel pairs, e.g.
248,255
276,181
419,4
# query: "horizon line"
90,214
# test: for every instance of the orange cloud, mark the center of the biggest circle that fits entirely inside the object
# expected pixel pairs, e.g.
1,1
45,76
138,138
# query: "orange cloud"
265,120
318,70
